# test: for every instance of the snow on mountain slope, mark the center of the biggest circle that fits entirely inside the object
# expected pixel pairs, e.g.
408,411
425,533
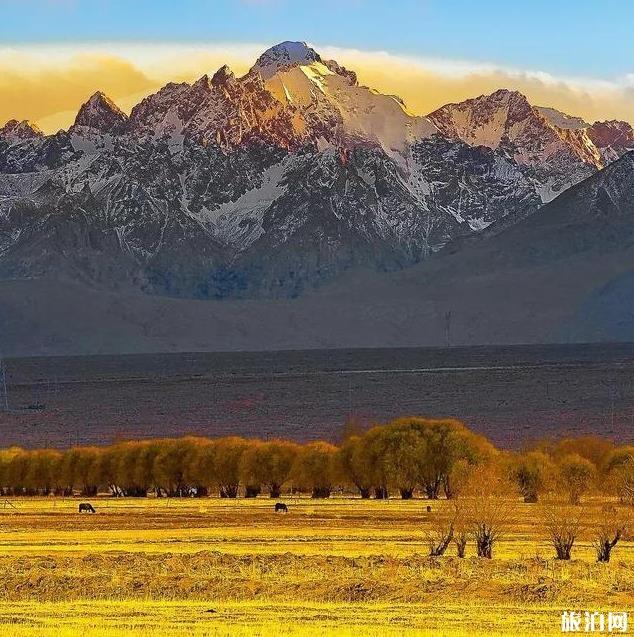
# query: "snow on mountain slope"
506,117
289,98
613,138
485,186
284,56
277,181
561,120
238,223
555,149
323,90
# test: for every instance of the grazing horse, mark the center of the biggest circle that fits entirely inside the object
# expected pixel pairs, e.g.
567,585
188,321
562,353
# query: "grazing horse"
86,507
281,508
428,509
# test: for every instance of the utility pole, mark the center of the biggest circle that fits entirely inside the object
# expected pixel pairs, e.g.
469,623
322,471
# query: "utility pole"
3,386
350,411
613,400
448,328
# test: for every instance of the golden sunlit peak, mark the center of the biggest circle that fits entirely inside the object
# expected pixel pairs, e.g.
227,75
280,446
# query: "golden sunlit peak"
222,76
16,130
101,113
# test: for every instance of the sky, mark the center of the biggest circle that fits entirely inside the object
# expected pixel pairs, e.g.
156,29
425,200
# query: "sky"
575,55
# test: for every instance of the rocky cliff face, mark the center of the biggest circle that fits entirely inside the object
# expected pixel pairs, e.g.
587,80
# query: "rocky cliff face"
554,150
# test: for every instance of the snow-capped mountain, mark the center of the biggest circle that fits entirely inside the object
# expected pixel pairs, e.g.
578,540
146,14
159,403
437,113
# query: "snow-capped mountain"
276,181
289,98
555,150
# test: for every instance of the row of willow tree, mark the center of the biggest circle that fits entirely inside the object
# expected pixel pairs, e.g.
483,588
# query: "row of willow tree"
409,455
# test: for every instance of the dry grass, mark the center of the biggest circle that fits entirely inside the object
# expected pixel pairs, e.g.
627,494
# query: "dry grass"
218,567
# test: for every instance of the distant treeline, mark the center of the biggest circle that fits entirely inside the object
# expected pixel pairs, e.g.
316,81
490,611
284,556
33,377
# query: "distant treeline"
408,456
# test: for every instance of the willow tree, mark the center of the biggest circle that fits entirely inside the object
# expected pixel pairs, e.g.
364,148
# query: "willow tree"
268,464
357,462
317,468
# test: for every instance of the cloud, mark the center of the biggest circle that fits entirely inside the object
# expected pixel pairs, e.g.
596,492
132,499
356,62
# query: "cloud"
38,90
48,83
427,84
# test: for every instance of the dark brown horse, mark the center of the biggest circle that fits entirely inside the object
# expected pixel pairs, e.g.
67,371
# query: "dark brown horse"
86,507
281,508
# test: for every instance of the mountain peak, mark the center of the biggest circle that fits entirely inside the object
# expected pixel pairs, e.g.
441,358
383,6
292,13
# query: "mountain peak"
483,106
613,138
517,103
506,94
202,83
101,113
284,56
336,68
16,131
222,76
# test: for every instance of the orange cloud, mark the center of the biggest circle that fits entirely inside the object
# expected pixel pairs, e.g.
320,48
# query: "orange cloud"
39,92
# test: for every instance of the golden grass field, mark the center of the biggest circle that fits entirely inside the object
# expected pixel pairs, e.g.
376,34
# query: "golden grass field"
335,567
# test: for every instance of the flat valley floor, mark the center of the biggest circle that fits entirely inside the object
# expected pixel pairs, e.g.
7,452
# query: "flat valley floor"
511,394
342,566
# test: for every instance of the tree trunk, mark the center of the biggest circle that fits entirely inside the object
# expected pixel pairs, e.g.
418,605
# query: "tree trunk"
432,490
381,493
406,494
604,549
449,494
461,545
563,550
275,491
229,491
484,546
439,549
252,491
321,493
365,492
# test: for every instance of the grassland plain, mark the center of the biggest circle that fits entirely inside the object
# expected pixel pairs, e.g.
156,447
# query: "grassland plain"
337,567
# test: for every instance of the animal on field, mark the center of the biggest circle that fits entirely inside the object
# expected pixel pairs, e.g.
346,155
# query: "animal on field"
86,507
428,509
281,508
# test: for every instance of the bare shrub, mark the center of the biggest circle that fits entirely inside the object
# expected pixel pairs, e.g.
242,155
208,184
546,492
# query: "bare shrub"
460,538
488,508
609,531
440,533
461,529
563,524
